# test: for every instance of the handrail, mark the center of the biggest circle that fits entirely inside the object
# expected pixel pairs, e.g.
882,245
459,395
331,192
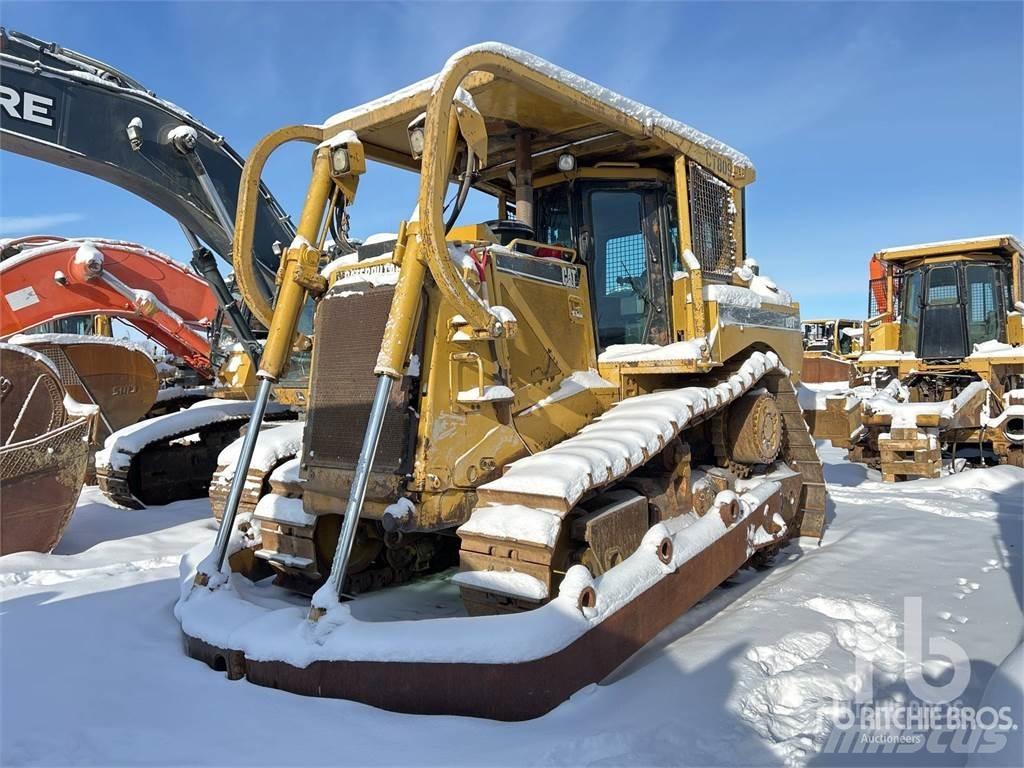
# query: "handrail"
249,284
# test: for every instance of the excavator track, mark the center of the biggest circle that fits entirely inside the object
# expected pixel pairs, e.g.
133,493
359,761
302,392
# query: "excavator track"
176,463
170,469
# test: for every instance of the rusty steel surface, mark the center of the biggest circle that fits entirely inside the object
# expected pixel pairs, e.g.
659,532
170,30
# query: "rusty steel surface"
32,396
43,454
818,369
121,380
512,691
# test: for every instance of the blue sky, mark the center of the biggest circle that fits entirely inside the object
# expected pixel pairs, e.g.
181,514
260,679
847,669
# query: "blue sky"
870,124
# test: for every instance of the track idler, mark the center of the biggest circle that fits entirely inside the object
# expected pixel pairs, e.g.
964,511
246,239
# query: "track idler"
752,433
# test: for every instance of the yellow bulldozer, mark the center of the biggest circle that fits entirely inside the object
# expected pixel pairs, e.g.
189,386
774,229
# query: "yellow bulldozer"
943,361
831,348
586,404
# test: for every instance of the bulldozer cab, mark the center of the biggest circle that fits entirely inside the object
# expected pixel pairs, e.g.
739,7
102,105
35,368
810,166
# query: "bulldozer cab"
625,231
834,337
954,296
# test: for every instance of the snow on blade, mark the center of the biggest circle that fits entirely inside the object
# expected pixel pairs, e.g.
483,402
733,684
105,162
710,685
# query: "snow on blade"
221,618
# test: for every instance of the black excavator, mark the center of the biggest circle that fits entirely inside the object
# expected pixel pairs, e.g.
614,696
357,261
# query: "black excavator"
72,111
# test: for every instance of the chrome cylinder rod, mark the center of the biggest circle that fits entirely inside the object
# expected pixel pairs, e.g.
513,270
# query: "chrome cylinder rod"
214,562
330,593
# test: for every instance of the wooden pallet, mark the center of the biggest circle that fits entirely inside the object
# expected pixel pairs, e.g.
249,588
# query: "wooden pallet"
907,453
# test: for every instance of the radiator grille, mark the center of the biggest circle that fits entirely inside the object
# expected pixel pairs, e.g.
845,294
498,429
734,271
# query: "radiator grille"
712,222
348,332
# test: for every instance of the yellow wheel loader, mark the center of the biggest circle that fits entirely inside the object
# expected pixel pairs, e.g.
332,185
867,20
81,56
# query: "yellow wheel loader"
587,404
944,361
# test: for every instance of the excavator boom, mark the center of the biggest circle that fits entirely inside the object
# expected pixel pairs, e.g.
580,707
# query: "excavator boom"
64,278
69,110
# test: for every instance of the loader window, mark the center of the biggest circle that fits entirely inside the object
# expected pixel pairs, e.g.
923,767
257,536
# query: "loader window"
984,319
621,284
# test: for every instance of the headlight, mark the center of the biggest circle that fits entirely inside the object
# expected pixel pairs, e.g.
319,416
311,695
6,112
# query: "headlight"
416,141
339,161
566,162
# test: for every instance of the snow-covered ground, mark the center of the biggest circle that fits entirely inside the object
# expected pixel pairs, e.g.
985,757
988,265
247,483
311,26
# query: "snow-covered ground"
92,669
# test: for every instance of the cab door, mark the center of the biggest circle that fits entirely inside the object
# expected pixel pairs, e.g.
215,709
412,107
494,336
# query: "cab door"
943,335
623,237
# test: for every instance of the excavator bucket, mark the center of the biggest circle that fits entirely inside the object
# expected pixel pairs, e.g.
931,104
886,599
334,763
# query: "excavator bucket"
116,376
44,453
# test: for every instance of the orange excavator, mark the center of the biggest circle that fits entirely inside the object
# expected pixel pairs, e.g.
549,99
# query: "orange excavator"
51,278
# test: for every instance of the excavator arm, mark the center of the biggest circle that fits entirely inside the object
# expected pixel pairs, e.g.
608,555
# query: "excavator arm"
62,278
67,109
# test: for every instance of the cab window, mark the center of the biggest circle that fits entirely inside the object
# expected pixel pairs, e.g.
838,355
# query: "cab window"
985,318
621,291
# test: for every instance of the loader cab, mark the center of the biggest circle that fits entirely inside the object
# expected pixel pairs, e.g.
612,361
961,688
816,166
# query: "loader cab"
949,306
622,228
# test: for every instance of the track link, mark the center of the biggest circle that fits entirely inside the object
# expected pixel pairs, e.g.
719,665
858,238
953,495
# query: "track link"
165,470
